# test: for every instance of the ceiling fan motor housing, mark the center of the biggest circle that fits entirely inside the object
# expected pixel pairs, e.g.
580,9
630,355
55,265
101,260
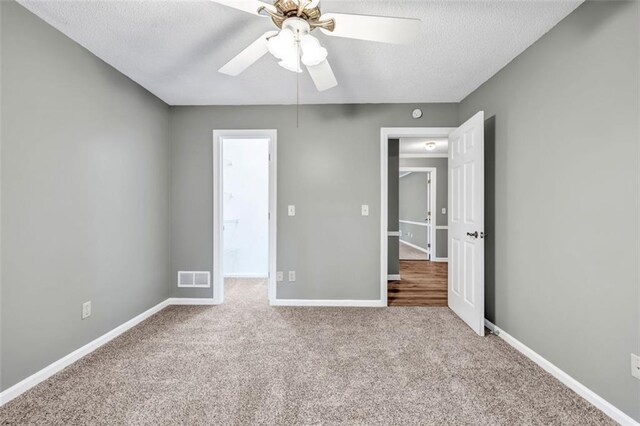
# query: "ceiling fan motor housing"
289,8
298,26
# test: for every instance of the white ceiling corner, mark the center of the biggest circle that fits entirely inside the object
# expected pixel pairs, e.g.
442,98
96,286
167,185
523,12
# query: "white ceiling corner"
174,48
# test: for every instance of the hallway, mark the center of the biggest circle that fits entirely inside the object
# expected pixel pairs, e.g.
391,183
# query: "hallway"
423,283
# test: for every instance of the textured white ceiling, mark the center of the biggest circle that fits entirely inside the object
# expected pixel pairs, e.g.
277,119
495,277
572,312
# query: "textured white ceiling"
417,146
174,48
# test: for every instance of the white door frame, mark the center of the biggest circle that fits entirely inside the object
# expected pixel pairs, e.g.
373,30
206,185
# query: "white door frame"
432,225
218,203
385,134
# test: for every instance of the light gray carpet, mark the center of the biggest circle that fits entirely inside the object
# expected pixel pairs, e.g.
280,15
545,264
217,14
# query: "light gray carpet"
248,363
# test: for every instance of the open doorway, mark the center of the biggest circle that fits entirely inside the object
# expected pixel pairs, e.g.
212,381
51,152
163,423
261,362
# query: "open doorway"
461,282
244,213
422,274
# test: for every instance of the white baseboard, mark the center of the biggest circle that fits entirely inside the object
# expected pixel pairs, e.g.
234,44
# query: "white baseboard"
440,259
595,399
246,275
393,277
329,302
26,384
414,246
191,301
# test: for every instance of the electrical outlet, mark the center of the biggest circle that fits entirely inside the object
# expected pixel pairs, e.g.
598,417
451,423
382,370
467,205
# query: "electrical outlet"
280,276
635,366
444,210
86,310
292,276
291,210
365,210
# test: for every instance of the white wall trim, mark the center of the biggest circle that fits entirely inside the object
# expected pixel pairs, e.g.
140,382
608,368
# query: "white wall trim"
440,259
595,399
442,227
393,277
53,368
415,223
218,200
330,302
393,233
408,155
415,246
247,275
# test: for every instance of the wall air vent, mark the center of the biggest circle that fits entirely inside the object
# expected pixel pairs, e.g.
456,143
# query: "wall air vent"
194,279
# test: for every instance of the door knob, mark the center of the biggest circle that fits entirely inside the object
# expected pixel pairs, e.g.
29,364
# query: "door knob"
473,234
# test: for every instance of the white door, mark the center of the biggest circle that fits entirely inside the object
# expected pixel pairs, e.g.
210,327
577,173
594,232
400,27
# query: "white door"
466,222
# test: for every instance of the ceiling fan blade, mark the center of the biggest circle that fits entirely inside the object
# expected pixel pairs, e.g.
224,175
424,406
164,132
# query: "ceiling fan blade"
373,28
248,56
249,6
322,76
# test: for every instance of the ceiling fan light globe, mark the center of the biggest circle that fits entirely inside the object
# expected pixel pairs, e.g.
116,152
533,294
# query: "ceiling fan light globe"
281,45
314,58
312,52
290,62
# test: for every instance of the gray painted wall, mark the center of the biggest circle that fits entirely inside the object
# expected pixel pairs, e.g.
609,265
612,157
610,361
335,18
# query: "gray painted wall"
442,196
85,187
327,167
413,197
393,243
562,165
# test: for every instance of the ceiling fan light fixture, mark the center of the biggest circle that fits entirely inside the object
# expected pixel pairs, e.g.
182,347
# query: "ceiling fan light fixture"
290,64
282,44
430,146
283,47
312,52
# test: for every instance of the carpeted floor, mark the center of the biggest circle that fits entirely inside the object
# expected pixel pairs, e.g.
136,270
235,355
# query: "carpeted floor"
247,363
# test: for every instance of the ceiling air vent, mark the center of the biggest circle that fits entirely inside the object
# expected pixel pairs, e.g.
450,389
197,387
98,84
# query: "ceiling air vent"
194,279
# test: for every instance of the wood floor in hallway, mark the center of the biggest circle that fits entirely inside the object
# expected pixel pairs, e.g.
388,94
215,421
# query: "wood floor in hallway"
422,283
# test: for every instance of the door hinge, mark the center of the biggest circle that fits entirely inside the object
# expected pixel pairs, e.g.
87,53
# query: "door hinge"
429,245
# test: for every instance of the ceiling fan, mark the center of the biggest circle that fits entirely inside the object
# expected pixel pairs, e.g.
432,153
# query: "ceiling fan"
293,43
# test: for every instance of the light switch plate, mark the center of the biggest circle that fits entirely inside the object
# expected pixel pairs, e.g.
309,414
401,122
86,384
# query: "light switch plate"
291,210
86,310
635,366
292,276
280,276
365,210
444,210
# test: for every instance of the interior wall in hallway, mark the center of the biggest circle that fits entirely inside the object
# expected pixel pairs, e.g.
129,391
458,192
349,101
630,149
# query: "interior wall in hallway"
393,242
442,198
